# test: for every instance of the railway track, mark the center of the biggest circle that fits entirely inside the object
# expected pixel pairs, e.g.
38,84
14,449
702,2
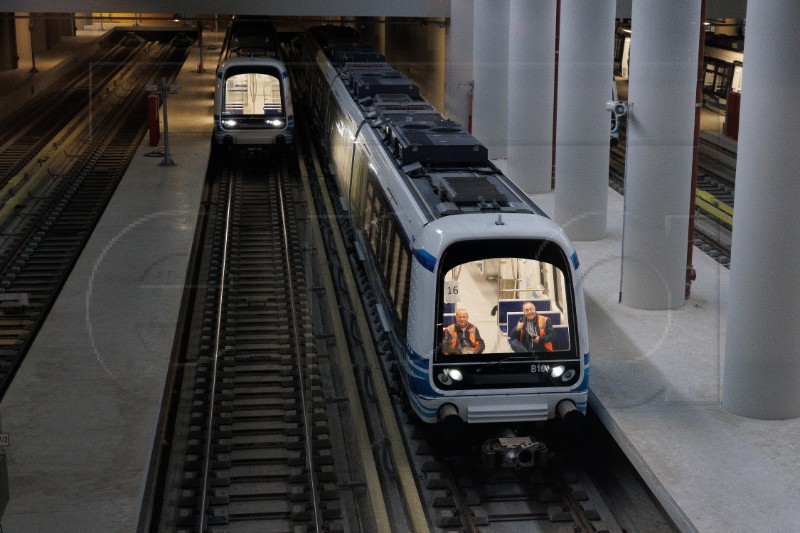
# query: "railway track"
715,198
51,203
256,453
267,431
23,140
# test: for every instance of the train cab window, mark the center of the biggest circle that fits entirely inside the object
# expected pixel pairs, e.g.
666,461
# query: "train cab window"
497,295
253,94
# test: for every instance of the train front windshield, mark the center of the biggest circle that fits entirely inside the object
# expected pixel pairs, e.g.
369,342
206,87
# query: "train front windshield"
508,320
253,97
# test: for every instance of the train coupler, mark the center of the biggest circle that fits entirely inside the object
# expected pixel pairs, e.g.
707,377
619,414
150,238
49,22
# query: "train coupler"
513,452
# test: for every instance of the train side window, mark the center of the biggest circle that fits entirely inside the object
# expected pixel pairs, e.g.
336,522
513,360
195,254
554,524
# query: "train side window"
375,224
717,77
330,111
401,303
394,267
361,174
366,213
386,246
385,226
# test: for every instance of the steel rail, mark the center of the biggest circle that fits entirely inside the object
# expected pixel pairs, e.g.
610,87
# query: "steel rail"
215,364
309,445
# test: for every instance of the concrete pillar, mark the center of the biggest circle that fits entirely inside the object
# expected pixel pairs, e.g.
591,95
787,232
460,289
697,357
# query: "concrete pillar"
458,62
83,21
531,73
761,376
490,67
585,77
660,137
8,45
380,37
24,41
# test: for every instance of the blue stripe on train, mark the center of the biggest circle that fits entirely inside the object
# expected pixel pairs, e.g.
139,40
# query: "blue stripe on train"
425,259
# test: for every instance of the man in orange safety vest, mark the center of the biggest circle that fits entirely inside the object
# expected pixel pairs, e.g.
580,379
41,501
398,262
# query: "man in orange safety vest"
533,333
462,337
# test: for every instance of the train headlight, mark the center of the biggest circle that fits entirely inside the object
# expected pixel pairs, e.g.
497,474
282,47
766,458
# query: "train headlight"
449,375
229,123
561,371
275,122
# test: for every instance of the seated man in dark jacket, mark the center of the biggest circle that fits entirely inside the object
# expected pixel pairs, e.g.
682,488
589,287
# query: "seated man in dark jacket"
533,332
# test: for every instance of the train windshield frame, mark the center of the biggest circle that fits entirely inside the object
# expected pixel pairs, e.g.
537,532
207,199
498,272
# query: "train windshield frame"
253,94
490,284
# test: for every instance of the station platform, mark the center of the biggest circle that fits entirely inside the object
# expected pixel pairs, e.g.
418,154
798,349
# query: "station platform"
81,414
82,411
656,381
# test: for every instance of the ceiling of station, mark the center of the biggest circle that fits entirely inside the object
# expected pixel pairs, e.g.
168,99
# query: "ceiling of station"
347,8
370,8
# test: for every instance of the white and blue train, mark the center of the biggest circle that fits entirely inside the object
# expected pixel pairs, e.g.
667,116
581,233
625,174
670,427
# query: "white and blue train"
446,231
253,102
252,97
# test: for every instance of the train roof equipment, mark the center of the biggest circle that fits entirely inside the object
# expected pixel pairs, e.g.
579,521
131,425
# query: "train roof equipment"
448,168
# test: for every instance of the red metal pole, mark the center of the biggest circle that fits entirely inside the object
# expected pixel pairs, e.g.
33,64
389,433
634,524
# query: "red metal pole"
691,274
152,118
555,95
200,68
469,106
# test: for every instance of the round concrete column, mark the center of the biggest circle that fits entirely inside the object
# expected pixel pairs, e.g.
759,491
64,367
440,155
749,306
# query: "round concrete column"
585,77
490,67
24,40
761,377
458,66
660,139
531,73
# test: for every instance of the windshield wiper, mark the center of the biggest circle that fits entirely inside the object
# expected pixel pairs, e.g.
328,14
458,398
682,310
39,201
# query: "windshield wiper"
491,364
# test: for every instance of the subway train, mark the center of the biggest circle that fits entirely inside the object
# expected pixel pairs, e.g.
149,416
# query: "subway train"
249,36
443,231
252,97
722,74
